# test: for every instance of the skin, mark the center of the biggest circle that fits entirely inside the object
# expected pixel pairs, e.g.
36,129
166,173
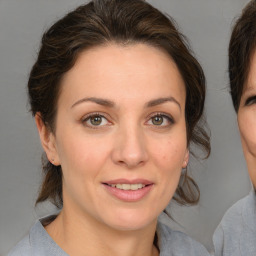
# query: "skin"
247,121
126,145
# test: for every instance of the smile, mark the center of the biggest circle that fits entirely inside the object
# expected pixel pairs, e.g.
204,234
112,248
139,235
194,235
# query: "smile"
128,186
128,191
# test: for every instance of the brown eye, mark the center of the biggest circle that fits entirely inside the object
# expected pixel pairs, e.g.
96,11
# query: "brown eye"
96,120
157,120
160,120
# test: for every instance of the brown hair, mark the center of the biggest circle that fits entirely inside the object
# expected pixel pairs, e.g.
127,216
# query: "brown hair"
242,44
121,22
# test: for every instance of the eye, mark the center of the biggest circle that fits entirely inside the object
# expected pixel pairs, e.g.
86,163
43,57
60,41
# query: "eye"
95,120
250,100
157,120
161,120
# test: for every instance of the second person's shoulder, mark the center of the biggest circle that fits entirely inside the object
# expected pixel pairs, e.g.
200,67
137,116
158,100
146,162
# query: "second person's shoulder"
235,214
177,243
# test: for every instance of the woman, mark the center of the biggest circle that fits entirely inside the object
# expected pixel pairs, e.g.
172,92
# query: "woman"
237,231
117,99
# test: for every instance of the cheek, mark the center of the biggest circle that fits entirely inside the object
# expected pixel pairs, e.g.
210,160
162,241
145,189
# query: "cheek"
169,155
82,158
168,160
247,127
81,154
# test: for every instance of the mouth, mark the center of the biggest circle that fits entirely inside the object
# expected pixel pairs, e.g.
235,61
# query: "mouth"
127,186
129,191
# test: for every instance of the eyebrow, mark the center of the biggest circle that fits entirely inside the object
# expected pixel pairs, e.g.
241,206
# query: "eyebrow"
159,101
111,104
103,102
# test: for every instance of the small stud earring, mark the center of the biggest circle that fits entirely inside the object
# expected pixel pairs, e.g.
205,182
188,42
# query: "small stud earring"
185,164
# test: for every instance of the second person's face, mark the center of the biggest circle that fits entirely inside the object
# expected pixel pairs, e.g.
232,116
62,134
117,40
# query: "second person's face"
121,135
247,120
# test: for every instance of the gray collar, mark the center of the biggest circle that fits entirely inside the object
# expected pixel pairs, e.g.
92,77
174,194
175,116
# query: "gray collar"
42,242
249,211
169,242
247,236
39,238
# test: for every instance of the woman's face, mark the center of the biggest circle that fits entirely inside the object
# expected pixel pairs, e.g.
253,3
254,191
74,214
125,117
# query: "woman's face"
247,120
120,135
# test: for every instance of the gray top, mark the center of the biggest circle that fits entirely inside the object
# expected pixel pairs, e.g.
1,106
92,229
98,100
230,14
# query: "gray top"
236,233
171,243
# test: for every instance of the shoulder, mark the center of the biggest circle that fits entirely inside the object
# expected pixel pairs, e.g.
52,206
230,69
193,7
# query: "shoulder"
234,215
38,242
23,248
30,245
177,243
237,228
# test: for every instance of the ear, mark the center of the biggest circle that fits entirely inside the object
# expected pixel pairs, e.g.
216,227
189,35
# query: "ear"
47,140
186,159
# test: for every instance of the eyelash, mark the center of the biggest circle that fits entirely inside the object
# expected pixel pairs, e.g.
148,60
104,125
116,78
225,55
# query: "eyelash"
96,114
164,116
86,118
251,100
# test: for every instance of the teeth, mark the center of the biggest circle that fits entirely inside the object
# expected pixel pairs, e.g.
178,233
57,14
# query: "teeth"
120,186
128,186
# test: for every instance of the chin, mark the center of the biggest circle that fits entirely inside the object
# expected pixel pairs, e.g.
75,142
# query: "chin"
130,220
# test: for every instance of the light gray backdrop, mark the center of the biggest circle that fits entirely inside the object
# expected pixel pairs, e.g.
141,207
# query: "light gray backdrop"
222,178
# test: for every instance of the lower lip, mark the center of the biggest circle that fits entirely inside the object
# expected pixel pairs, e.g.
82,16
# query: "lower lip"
129,195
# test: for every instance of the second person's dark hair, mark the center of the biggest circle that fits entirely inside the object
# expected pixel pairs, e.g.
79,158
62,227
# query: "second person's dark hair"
241,46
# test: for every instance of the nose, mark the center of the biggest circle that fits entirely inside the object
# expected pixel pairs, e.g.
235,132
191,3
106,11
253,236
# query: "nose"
130,148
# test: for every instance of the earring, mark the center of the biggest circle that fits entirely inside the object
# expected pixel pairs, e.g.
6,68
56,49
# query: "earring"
185,163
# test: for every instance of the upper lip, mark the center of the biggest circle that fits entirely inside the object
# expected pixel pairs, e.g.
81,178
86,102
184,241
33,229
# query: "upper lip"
126,181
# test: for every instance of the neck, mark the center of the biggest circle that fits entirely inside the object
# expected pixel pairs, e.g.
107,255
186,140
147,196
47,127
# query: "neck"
82,235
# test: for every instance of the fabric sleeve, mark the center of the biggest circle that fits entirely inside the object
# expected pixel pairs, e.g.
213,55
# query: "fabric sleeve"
218,241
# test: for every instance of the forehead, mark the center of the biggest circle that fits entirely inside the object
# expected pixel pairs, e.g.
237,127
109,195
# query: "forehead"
136,58
123,72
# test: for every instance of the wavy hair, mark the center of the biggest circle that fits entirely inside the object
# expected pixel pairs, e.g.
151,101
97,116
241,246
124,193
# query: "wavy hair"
121,22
